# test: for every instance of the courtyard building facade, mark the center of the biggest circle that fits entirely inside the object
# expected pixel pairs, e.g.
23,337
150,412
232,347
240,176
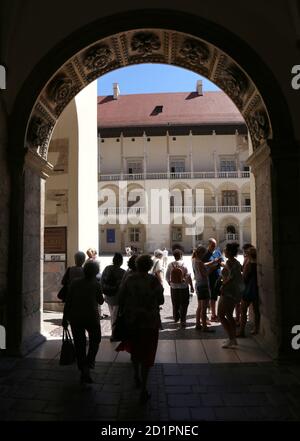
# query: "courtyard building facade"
166,159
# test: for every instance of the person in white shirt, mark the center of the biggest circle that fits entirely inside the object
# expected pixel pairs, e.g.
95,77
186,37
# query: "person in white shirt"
165,257
157,269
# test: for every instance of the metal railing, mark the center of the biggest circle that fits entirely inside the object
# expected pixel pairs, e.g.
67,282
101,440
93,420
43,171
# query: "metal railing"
112,211
179,175
178,209
231,236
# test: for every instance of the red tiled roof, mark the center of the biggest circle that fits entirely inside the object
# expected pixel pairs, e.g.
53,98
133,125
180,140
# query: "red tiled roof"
178,109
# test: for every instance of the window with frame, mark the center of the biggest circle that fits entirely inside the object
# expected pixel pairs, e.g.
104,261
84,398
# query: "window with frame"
134,234
228,164
230,229
229,198
177,165
134,167
177,234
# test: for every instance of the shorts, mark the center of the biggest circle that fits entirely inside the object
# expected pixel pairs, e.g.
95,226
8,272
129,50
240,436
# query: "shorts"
203,292
215,289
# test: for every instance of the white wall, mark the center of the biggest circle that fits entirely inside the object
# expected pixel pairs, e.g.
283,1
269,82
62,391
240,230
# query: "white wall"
77,129
203,146
86,107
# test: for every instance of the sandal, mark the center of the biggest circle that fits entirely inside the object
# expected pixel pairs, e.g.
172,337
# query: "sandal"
215,319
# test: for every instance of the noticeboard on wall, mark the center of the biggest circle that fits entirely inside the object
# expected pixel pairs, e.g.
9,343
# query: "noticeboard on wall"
55,240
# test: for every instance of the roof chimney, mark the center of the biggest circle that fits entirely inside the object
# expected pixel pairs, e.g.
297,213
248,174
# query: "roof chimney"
116,90
199,87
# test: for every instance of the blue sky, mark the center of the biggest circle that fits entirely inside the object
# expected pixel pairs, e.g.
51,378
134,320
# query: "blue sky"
151,78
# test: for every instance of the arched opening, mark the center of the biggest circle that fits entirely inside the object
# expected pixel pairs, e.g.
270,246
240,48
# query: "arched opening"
138,44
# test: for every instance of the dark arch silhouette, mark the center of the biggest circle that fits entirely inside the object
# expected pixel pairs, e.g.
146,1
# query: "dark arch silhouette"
214,34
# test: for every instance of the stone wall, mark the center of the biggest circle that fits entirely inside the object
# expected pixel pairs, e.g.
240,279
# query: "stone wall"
53,273
286,184
269,302
32,261
4,211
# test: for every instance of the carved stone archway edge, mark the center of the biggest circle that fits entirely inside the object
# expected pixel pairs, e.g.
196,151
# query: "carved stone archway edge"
38,164
146,46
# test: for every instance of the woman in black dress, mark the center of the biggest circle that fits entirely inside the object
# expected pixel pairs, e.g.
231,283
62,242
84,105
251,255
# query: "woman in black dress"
139,298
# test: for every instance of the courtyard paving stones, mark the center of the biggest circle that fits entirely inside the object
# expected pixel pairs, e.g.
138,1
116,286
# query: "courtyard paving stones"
194,379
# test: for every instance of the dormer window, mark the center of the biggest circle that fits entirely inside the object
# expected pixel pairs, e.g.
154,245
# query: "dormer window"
157,110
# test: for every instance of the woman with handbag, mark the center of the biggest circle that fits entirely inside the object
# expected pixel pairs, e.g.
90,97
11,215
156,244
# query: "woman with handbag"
81,311
139,298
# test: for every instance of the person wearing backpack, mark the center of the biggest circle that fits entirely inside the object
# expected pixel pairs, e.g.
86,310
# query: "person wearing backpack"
179,279
110,281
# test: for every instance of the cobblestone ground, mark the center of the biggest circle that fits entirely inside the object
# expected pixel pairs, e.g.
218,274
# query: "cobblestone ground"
171,330
38,389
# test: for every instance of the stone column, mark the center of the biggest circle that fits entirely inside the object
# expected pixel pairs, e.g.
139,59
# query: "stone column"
123,165
260,162
123,240
278,243
252,197
241,238
5,190
237,155
253,209
145,154
240,200
215,154
13,300
216,200
286,239
99,156
25,274
191,154
215,164
168,153
217,233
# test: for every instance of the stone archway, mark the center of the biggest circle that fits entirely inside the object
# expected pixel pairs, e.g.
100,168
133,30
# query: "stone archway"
146,46
143,44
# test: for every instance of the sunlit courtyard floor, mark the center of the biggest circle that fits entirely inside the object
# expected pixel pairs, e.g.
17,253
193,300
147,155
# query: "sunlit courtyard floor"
175,345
